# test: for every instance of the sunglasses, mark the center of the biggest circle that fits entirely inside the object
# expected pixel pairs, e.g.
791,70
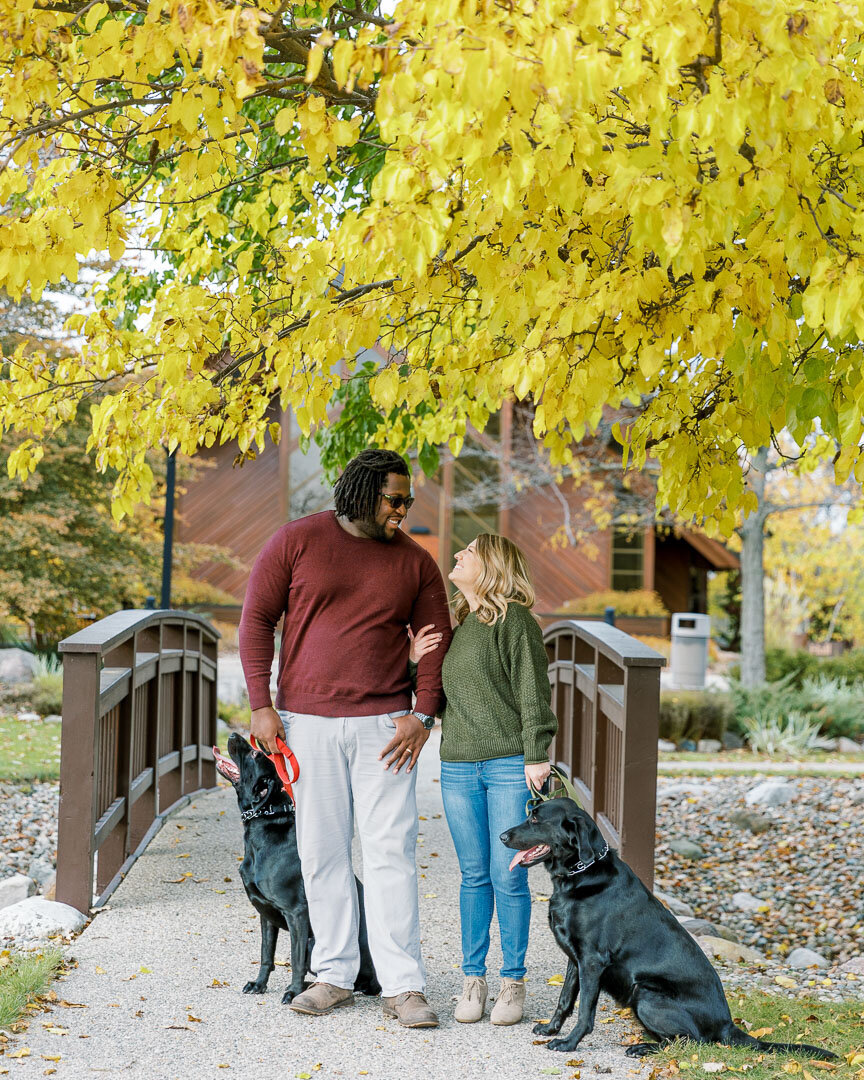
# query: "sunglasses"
398,501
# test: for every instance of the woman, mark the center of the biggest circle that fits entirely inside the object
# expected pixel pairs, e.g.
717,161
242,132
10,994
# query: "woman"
497,727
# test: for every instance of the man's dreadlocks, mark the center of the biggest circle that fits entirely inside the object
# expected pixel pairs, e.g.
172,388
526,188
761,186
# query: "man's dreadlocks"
358,488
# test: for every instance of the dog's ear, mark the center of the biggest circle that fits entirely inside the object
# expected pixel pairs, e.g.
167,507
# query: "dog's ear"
584,836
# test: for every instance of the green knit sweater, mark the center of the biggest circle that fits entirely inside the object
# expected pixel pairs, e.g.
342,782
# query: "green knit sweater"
497,687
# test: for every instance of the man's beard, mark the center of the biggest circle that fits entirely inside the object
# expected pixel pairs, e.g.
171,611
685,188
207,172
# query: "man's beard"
374,530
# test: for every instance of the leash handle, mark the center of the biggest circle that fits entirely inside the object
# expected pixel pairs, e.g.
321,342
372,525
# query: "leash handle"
284,759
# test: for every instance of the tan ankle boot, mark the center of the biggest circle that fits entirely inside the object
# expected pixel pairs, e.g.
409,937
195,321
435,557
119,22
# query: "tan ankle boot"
470,1007
510,1003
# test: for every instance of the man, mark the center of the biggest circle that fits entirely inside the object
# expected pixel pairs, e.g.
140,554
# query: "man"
348,584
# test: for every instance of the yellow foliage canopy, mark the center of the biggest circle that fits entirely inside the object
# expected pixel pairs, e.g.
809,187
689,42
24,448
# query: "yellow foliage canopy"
585,204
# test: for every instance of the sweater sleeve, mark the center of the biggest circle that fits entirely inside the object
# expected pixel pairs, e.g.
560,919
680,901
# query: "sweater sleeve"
431,607
527,663
265,602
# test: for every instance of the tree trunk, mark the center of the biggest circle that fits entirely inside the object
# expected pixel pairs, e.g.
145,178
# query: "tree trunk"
753,578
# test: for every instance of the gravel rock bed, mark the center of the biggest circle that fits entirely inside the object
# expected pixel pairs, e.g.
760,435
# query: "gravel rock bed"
806,867
28,826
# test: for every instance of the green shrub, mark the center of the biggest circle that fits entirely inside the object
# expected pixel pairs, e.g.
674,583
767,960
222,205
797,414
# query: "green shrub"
235,715
777,698
694,714
46,695
837,705
629,602
768,733
801,665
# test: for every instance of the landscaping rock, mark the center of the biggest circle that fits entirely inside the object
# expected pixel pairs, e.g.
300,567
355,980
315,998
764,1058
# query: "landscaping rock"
15,888
676,906
709,746
687,790
37,919
732,741
698,927
687,849
756,823
847,746
16,666
702,928
746,901
664,746
820,743
27,717
687,744
52,718
731,951
806,958
42,871
853,966
770,793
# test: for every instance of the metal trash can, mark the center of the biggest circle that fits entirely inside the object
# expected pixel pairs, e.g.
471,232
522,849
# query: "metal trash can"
689,661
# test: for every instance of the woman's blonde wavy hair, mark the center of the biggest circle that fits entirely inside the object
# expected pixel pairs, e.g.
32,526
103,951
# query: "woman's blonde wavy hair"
504,579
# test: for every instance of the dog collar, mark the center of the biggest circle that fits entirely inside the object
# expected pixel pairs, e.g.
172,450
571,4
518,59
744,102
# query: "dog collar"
581,867
270,811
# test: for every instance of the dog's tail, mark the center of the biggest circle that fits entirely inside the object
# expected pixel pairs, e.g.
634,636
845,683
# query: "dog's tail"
737,1037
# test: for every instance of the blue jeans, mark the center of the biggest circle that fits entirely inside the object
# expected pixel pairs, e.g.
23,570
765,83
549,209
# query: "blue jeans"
481,800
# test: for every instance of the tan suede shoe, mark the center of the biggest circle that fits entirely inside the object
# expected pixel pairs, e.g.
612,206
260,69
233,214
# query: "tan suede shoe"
411,1009
510,1003
470,1006
321,998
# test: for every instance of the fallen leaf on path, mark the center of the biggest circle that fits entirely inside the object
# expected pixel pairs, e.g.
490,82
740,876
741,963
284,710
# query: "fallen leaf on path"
555,980
71,1004
22,1053
784,980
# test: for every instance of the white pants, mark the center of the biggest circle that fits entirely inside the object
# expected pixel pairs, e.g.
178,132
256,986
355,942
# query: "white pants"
341,779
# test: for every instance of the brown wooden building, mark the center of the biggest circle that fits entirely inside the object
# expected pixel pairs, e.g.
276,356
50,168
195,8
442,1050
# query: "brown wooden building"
239,508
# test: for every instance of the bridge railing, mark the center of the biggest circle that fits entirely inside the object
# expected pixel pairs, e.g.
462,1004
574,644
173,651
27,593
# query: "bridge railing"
139,721
606,695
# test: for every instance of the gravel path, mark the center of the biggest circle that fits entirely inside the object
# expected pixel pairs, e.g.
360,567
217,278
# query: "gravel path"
185,1016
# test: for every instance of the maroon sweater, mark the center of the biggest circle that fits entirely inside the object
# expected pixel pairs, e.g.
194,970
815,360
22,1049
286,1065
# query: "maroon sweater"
346,601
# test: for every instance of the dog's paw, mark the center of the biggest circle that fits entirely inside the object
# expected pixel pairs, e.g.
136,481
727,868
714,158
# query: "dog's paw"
289,996
561,1044
550,1028
255,988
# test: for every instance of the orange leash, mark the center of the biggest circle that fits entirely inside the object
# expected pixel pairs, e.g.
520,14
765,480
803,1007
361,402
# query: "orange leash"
284,760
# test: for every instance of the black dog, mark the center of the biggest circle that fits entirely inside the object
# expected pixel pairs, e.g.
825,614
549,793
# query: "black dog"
619,938
270,870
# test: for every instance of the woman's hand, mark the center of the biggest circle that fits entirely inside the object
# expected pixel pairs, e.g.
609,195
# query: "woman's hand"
536,775
424,641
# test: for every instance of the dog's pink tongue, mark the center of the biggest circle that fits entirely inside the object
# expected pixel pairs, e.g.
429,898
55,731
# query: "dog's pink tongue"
517,858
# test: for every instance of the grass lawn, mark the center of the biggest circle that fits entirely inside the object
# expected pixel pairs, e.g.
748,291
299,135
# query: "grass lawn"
837,1026
23,978
742,762
29,750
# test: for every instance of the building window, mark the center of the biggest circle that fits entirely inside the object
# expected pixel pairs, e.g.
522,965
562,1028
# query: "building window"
628,559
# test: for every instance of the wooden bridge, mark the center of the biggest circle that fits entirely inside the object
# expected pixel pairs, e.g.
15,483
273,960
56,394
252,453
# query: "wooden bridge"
139,721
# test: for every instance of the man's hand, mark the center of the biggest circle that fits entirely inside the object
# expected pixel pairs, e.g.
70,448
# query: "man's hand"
265,725
406,744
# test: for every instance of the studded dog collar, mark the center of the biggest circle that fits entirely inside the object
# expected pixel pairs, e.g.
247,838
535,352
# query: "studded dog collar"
581,867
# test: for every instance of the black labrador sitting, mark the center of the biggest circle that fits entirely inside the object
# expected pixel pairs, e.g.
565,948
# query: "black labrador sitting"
270,870
620,939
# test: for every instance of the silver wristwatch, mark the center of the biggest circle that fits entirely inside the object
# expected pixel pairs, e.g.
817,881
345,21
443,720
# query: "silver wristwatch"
428,721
